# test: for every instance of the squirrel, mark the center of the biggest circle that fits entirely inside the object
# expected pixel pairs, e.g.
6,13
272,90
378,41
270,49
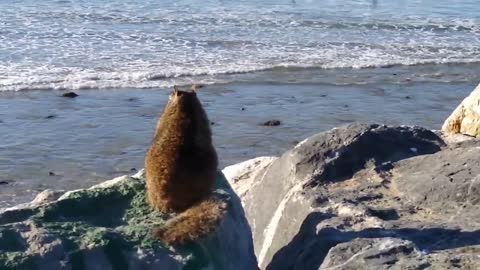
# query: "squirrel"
180,169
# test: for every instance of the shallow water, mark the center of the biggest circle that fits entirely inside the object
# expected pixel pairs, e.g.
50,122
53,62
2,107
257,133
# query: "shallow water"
105,133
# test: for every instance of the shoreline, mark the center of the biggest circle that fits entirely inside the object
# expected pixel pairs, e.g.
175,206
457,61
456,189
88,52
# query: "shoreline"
395,74
104,133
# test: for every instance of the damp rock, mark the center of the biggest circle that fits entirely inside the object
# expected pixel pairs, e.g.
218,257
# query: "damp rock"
70,95
272,123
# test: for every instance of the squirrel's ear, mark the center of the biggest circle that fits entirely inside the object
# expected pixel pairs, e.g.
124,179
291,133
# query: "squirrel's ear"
175,90
194,88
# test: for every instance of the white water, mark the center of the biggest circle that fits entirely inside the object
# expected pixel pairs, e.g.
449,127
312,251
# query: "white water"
148,44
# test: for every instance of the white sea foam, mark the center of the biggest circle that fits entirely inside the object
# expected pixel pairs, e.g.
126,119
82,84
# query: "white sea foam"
122,44
44,77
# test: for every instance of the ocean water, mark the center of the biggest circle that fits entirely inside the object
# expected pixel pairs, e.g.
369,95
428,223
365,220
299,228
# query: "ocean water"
313,64
80,44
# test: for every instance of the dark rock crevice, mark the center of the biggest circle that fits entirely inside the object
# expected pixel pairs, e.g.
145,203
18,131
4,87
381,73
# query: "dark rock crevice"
308,249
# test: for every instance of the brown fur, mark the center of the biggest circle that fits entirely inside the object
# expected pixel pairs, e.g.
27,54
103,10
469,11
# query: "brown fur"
192,224
181,162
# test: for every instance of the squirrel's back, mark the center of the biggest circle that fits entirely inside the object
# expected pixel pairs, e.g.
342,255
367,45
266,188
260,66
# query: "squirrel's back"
181,163
180,167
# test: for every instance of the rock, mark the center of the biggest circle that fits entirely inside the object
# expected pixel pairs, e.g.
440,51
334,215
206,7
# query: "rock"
272,123
365,197
241,175
465,118
453,180
51,174
243,109
375,253
42,198
70,95
453,139
108,226
6,181
383,253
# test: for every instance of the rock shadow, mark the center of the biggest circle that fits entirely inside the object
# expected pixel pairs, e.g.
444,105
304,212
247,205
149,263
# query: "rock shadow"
297,254
384,214
11,240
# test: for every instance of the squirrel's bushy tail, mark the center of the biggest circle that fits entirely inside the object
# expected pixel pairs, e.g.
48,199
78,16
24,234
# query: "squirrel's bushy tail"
193,223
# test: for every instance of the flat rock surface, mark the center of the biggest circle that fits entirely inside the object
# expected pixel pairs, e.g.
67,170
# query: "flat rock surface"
367,197
109,226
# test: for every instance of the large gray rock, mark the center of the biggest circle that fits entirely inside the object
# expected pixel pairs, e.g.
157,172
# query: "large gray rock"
356,195
109,226
446,182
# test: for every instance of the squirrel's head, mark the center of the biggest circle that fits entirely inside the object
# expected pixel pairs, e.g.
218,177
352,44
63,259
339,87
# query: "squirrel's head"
184,101
178,95
184,106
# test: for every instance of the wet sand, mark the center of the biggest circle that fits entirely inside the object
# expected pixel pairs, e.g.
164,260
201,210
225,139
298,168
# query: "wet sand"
48,141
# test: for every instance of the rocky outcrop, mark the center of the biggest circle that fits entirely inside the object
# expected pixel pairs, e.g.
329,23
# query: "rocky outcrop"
109,226
365,197
465,119
361,196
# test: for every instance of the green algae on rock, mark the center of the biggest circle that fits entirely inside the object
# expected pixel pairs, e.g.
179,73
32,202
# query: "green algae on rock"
109,226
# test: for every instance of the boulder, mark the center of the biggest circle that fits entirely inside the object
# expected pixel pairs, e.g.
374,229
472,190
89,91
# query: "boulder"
109,226
465,119
354,198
